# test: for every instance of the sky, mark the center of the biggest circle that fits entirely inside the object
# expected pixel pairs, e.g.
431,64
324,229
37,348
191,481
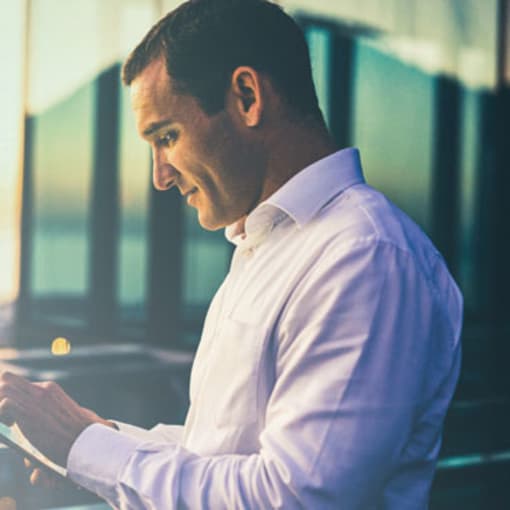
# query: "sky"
12,32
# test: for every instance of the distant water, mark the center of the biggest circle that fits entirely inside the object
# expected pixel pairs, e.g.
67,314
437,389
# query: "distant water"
60,262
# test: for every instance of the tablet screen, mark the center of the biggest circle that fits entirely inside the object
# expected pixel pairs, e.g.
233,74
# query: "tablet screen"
12,436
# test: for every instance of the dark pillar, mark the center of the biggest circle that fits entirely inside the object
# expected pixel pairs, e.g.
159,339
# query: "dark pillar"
341,87
23,307
445,180
105,206
165,268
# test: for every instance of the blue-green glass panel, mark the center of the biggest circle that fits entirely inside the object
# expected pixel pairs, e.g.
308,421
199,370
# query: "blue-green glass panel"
62,167
206,259
392,125
470,144
318,40
134,170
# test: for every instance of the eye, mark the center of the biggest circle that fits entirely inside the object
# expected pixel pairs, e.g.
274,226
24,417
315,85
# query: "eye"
167,139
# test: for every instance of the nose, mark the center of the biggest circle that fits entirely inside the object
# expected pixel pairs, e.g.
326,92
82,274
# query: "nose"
163,173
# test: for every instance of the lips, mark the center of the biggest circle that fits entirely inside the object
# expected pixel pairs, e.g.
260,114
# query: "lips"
189,194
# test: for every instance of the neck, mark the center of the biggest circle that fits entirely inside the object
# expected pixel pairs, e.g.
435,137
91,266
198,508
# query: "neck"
294,147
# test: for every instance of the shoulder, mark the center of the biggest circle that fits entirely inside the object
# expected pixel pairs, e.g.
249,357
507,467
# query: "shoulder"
360,234
363,218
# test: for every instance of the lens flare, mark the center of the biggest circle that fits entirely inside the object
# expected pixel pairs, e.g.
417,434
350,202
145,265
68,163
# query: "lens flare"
60,346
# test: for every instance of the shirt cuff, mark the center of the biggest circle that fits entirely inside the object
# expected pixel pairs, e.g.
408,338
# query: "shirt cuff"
161,432
97,458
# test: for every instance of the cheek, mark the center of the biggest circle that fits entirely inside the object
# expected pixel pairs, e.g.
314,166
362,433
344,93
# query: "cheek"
206,172
182,157
213,159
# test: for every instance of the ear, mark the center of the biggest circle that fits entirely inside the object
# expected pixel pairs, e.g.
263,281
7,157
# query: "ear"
246,88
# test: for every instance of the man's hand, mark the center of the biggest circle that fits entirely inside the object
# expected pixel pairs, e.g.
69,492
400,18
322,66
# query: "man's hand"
48,417
42,478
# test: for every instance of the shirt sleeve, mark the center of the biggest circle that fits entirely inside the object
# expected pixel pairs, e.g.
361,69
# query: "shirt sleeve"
367,349
161,432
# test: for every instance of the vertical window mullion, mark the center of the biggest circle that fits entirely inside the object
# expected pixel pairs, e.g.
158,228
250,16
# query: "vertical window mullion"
104,205
445,173
23,307
341,87
165,268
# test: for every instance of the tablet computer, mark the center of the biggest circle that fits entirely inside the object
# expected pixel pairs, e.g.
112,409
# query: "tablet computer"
13,437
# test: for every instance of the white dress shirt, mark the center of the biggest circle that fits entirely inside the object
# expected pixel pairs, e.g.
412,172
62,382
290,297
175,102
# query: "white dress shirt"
328,360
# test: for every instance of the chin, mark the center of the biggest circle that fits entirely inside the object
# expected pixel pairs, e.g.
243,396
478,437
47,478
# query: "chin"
210,223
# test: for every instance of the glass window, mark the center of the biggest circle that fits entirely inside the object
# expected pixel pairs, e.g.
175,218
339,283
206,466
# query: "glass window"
62,165
206,260
319,44
70,46
67,49
135,18
392,126
135,173
468,185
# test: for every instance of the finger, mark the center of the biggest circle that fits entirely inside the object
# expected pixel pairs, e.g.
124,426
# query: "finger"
42,478
35,477
49,386
15,379
28,463
7,503
16,387
7,411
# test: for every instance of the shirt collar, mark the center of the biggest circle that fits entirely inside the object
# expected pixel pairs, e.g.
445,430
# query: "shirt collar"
301,197
307,192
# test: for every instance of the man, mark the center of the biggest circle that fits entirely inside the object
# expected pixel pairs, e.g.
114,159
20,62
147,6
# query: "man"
331,351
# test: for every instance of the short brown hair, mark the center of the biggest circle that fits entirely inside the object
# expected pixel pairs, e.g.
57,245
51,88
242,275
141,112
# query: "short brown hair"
204,41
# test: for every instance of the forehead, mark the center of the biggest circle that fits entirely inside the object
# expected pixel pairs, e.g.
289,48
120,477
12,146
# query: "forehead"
153,101
156,103
151,88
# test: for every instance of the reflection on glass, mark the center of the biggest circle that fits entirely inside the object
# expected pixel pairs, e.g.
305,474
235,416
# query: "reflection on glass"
62,165
134,193
468,184
318,40
393,121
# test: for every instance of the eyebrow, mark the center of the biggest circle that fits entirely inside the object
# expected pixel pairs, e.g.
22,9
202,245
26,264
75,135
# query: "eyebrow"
156,126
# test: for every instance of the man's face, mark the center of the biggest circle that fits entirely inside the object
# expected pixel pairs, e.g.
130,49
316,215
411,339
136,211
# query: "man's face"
210,159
